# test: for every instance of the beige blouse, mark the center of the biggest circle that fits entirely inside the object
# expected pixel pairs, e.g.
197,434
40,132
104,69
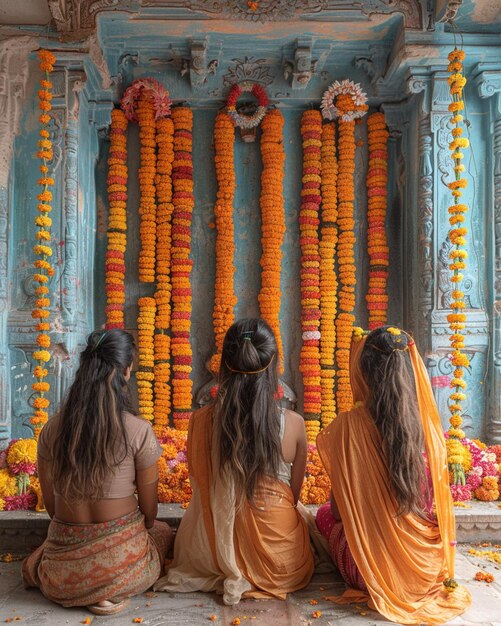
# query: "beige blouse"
143,451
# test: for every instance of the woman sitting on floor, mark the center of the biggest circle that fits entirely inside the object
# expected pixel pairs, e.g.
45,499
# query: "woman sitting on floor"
390,524
103,544
242,534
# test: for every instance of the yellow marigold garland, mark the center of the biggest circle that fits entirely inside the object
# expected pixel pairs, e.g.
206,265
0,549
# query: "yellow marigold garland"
328,278
43,250
183,202
309,360
145,112
272,220
165,158
117,221
224,292
458,256
346,259
145,375
379,257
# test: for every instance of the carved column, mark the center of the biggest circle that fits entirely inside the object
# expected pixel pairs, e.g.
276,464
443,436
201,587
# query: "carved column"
14,54
489,86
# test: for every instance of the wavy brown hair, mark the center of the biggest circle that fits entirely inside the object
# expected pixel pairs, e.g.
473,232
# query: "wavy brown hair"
393,404
91,440
246,410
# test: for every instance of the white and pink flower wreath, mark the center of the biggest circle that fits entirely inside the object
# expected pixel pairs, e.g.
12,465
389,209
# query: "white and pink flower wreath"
329,109
161,99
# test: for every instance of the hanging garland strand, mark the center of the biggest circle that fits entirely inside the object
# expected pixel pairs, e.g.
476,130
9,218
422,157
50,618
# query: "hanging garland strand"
458,256
328,278
165,157
183,201
43,250
117,221
224,291
272,220
144,375
309,361
377,245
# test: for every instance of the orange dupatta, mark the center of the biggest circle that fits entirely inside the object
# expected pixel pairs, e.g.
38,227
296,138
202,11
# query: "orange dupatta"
402,559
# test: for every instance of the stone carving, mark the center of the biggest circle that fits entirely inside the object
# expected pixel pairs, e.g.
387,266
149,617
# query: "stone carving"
96,56
198,66
444,284
248,68
76,19
302,68
374,65
451,10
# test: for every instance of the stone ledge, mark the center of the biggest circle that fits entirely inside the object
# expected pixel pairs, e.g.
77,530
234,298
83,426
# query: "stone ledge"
22,531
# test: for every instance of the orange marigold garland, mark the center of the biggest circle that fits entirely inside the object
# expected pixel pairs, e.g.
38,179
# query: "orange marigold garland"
379,257
458,256
165,157
309,362
117,221
145,375
272,220
328,278
183,201
224,292
345,101
43,250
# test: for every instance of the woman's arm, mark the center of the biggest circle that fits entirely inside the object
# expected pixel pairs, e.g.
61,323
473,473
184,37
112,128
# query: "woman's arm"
46,486
147,493
299,463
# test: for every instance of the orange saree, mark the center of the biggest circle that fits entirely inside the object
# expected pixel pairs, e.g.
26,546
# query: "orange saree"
261,550
404,559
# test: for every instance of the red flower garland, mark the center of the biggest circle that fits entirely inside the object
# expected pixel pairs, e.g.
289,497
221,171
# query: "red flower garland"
309,363
183,201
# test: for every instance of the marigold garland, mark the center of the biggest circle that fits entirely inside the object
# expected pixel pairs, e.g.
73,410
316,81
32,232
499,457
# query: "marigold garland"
183,202
165,158
146,350
379,257
117,221
458,256
224,292
272,220
309,360
349,104
43,249
328,278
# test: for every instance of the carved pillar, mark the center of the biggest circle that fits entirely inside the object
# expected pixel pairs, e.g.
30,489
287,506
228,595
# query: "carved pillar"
489,86
14,54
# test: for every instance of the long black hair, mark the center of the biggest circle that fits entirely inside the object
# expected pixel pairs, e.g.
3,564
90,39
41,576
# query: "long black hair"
246,410
91,439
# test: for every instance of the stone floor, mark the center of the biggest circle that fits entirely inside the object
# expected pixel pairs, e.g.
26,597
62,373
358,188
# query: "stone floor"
196,609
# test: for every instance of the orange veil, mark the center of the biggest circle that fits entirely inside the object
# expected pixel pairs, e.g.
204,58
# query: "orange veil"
404,559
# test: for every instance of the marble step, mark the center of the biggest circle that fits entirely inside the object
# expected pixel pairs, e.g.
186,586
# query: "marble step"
22,531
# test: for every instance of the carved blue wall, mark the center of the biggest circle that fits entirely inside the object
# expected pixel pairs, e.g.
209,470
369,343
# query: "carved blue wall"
400,60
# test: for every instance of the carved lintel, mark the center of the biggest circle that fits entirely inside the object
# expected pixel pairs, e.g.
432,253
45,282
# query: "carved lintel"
76,19
248,69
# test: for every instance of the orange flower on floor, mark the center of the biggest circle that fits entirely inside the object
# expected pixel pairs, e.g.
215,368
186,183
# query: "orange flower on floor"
43,250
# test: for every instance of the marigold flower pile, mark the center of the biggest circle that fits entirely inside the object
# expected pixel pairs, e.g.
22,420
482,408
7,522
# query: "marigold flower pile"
43,250
117,221
309,360
272,220
458,256
173,478
328,277
181,265
19,487
224,291
377,246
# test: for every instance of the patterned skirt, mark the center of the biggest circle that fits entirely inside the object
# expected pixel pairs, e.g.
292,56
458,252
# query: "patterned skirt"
332,529
83,564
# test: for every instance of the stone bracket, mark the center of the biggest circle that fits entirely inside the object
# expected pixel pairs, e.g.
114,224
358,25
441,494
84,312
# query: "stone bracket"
199,66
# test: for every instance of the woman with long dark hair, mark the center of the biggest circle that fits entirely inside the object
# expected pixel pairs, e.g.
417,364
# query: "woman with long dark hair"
242,534
104,544
390,523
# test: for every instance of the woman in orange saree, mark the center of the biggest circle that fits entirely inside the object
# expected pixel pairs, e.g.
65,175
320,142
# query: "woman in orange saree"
242,535
386,458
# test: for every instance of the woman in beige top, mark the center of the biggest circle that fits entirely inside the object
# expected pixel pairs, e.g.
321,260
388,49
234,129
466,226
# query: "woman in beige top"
97,465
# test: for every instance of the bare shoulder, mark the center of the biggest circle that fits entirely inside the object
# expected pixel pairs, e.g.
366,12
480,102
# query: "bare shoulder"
294,420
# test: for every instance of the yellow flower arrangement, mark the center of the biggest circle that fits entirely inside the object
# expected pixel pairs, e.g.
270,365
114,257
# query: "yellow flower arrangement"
8,484
22,451
272,220
457,237
309,360
43,250
224,291
328,278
